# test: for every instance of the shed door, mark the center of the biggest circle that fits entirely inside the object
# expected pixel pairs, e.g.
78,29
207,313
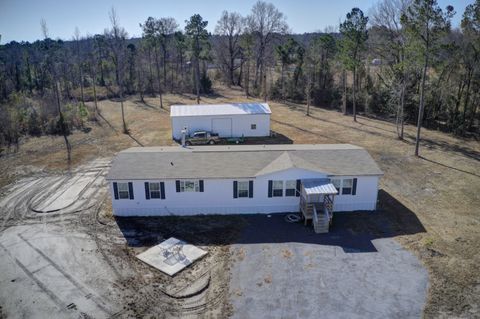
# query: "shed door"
222,126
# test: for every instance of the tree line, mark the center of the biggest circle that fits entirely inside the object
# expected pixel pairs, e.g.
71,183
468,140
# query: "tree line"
403,62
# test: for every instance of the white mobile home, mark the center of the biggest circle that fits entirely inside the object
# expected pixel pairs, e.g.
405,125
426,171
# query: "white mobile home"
313,179
227,120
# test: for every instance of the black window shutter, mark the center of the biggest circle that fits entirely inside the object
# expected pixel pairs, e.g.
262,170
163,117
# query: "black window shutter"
147,190
200,184
270,187
115,190
235,185
297,191
354,189
162,190
130,190
250,189
177,185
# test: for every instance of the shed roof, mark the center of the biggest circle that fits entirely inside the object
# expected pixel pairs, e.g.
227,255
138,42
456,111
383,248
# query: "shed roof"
242,161
219,109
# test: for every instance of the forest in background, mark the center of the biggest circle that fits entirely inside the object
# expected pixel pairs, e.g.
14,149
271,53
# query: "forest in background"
400,60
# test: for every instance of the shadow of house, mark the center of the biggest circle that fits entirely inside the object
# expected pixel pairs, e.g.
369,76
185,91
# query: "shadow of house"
353,231
276,138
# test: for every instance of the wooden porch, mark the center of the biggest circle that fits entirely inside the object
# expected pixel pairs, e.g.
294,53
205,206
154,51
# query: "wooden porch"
316,203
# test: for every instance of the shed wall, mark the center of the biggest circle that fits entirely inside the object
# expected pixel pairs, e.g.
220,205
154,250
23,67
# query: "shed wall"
241,124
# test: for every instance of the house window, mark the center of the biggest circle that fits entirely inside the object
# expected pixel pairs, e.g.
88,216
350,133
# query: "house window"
154,190
123,191
253,126
290,188
277,188
347,186
337,184
189,186
242,189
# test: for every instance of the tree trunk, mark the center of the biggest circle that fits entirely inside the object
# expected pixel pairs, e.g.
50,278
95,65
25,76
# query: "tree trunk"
150,81
421,107
240,74
231,68
63,124
344,96
125,129
95,93
309,93
467,100
402,108
353,94
400,120
157,63
197,78
454,115
247,79
164,66
284,96
81,86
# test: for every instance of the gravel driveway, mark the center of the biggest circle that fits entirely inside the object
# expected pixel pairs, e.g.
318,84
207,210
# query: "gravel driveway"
284,270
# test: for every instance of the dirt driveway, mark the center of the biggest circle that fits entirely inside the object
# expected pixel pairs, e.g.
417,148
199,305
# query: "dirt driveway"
283,270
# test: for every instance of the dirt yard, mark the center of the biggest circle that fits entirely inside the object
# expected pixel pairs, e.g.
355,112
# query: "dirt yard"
440,191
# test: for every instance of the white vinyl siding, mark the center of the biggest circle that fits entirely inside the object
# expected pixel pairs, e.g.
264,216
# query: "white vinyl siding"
218,198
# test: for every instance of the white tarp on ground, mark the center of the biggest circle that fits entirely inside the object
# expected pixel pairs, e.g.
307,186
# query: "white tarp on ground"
171,256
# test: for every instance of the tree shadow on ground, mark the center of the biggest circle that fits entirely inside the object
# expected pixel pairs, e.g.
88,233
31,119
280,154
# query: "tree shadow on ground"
353,231
307,131
144,104
129,134
449,167
449,147
275,138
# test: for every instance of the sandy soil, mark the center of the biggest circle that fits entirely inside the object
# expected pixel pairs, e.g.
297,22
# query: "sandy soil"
439,192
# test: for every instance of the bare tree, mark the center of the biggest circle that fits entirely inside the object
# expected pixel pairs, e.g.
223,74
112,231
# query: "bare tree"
50,63
247,43
44,28
391,47
265,21
78,51
196,30
229,27
116,38
425,23
166,28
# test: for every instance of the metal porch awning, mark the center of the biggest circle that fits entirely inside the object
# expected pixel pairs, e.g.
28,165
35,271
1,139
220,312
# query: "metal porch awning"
319,187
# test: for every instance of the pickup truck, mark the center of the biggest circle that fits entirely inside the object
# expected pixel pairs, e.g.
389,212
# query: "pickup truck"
202,138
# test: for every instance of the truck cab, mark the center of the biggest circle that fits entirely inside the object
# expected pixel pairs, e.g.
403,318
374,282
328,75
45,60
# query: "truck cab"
202,138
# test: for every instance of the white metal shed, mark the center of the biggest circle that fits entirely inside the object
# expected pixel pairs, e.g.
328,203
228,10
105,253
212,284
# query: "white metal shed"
228,120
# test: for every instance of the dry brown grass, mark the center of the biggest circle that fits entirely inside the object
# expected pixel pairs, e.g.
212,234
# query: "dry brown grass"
441,188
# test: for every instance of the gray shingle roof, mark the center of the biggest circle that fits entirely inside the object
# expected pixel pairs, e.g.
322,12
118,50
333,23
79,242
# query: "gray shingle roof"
239,161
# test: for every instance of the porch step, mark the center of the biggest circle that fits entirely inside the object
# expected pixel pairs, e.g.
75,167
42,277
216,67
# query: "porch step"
321,223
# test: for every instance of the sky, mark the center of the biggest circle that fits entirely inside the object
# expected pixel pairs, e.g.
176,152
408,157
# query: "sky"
20,19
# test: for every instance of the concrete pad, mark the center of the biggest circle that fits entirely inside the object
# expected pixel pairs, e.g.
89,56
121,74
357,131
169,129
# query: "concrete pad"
171,256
